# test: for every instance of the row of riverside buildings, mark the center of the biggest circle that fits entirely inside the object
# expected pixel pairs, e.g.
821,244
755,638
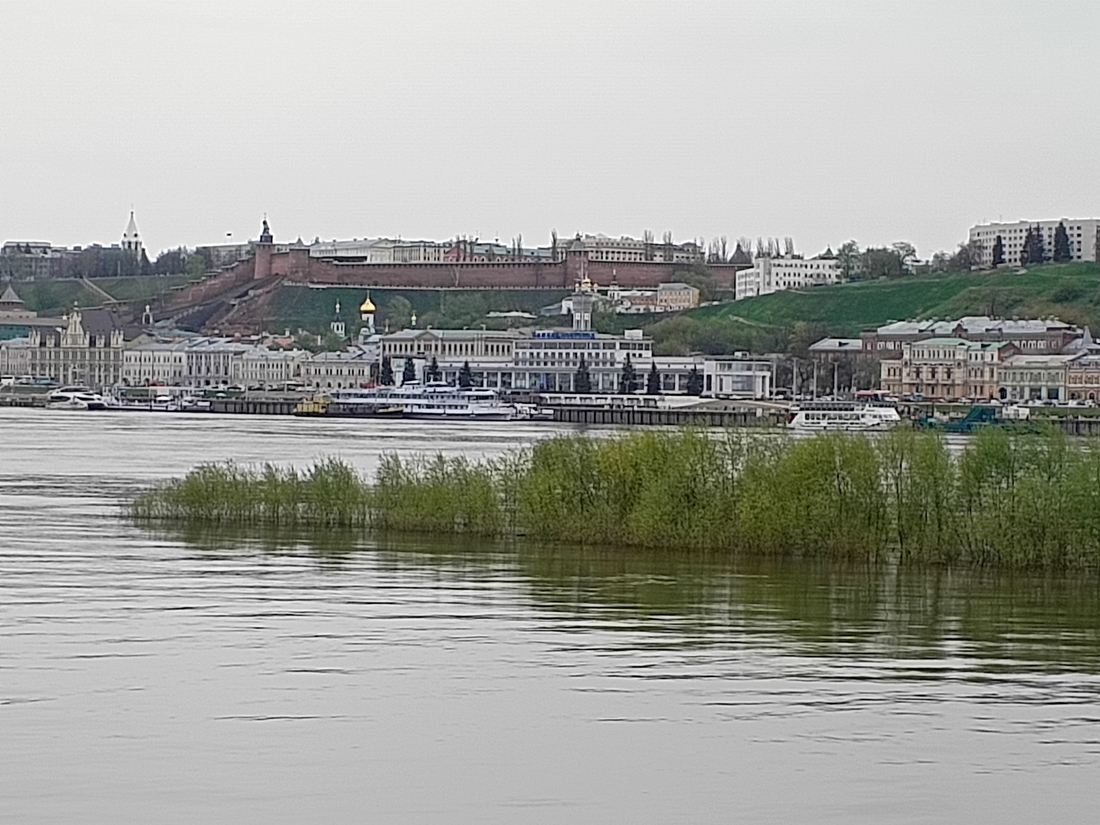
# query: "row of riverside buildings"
978,358
94,347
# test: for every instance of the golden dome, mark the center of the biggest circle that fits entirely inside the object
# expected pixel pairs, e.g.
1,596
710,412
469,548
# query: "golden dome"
368,306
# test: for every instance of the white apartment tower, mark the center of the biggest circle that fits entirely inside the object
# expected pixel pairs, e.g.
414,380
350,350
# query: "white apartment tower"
1083,238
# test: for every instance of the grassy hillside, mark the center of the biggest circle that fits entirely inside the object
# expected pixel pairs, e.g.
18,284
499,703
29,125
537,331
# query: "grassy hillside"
53,297
1069,291
140,288
301,307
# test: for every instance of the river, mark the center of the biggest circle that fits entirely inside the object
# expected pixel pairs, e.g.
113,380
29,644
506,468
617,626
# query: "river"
159,676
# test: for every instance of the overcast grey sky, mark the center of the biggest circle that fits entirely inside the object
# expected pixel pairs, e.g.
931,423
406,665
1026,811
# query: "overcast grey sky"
823,119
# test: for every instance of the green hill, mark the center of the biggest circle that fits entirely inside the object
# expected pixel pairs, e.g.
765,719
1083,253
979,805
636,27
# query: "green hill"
1068,291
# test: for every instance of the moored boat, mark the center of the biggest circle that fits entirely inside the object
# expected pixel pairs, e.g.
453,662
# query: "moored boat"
850,416
74,398
435,401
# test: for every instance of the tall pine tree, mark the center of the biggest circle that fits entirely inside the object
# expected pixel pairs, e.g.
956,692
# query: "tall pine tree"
582,381
1062,251
653,381
998,251
465,376
695,382
434,372
409,372
386,378
628,378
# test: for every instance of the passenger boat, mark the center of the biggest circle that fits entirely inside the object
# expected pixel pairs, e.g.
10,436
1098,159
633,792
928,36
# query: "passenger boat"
434,401
819,416
74,398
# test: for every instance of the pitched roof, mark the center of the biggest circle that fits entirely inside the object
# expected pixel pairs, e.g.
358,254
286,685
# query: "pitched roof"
9,297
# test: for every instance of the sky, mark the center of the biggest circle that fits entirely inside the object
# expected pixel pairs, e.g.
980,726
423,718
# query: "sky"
822,120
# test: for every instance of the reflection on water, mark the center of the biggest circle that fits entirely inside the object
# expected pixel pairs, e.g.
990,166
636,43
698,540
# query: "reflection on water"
1047,621
211,676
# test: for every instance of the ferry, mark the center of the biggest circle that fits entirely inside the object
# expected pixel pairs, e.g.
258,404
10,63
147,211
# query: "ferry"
434,401
74,398
819,416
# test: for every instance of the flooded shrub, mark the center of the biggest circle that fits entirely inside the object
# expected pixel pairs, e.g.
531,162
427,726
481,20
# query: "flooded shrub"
1019,500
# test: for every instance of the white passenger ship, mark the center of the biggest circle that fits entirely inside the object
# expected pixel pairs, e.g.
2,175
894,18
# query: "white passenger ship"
821,416
431,401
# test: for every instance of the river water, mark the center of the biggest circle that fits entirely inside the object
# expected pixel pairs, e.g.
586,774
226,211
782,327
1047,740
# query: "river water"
208,677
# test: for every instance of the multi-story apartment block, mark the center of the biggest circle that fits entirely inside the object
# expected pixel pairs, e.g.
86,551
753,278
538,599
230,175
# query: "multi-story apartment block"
774,274
1084,235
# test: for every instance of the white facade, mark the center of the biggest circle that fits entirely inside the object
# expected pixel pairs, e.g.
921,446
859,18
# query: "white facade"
15,357
768,275
349,368
263,367
737,377
1083,237
381,250
625,249
155,363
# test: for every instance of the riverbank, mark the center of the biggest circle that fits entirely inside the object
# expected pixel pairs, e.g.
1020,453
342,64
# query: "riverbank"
1018,501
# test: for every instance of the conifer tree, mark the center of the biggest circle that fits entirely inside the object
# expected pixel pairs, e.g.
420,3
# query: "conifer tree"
465,376
1062,251
582,381
629,377
653,381
409,373
434,372
695,382
386,377
998,251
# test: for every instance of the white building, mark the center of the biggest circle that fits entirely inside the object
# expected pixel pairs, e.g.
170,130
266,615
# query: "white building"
1084,235
625,249
155,363
737,376
15,357
774,274
381,250
263,367
348,368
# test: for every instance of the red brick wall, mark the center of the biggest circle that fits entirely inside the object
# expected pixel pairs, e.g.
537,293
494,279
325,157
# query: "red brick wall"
296,265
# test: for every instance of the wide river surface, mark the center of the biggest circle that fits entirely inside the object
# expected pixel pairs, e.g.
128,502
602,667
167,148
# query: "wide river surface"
158,676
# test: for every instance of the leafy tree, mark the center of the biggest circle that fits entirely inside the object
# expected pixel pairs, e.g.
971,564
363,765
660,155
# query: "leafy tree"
850,259
434,372
653,381
882,263
195,266
582,381
695,382
465,376
409,373
398,313
907,254
386,377
332,342
1062,251
629,377
998,251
